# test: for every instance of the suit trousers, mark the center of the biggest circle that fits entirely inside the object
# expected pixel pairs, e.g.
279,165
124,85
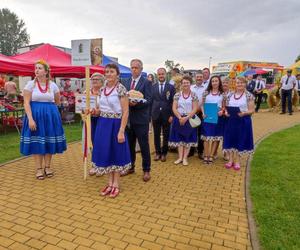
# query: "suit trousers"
286,94
139,132
258,99
161,125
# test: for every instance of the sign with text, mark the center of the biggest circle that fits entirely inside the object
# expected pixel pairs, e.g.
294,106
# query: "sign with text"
87,52
80,103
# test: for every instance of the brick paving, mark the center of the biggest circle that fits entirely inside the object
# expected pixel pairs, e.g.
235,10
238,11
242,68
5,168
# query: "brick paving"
194,207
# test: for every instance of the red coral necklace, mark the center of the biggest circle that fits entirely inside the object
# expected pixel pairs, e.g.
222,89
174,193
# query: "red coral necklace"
187,96
40,87
215,93
107,94
237,98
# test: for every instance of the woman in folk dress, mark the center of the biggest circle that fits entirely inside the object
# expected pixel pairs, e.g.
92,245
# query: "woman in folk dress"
42,133
238,134
111,153
212,133
182,135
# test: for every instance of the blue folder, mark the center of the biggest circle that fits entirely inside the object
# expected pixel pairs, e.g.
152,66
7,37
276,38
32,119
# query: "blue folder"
211,111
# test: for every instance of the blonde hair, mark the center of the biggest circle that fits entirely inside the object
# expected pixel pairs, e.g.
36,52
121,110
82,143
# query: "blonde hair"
101,77
242,79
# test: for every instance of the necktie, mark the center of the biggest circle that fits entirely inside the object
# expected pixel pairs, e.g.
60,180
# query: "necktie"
287,80
161,88
258,85
132,86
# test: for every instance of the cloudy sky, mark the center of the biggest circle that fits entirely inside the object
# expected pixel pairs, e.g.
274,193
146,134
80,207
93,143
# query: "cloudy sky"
186,31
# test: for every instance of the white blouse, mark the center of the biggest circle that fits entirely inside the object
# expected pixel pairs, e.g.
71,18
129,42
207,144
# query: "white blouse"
242,102
38,96
110,105
185,105
210,98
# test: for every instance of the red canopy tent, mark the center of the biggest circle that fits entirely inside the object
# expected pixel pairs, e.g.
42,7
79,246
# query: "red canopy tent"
15,67
59,61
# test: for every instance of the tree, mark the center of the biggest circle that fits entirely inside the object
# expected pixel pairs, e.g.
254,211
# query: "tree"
13,33
171,65
297,59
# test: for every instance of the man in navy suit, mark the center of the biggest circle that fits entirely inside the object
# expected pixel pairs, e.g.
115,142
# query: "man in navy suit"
139,118
162,115
251,84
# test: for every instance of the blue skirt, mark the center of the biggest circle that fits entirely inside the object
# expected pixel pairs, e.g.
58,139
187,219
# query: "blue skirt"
212,131
94,121
238,135
108,154
182,135
49,138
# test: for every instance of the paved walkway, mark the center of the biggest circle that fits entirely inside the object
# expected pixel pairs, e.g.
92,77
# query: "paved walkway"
194,207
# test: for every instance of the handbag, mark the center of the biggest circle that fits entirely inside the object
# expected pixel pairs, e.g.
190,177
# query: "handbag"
194,121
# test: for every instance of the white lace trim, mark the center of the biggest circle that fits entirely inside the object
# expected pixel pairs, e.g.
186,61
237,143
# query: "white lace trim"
233,150
185,144
110,169
211,138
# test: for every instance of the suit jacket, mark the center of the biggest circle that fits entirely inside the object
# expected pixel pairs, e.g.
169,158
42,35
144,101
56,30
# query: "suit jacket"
251,86
140,113
162,104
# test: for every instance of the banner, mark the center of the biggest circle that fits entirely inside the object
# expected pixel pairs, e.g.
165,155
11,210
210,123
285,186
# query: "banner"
87,52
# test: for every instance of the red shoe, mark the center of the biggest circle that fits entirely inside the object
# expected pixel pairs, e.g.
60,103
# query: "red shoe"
236,166
114,192
228,165
106,190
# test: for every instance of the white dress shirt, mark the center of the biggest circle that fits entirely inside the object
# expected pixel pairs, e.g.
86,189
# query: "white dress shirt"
297,86
136,81
205,83
259,84
159,87
287,85
198,90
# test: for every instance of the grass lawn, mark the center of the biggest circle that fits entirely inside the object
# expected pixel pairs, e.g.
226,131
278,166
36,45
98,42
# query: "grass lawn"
264,105
275,190
9,143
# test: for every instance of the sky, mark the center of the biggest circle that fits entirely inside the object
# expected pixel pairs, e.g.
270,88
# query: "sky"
188,32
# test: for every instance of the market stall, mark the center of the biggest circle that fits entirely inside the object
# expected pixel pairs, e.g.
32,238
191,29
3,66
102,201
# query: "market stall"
23,65
59,61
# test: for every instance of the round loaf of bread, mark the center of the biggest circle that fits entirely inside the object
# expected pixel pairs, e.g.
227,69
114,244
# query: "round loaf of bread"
135,94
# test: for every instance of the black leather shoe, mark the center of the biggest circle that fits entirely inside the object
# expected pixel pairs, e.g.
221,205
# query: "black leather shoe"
157,157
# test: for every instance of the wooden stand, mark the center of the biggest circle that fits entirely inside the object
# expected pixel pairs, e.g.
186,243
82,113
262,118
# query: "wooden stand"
87,121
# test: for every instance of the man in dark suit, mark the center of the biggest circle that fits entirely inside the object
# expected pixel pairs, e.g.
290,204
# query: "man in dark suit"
258,91
161,112
139,118
251,84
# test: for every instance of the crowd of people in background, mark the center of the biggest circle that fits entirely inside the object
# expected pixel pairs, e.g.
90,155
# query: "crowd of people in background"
118,122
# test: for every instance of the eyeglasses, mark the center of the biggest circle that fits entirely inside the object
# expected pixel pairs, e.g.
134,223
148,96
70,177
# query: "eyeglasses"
96,79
